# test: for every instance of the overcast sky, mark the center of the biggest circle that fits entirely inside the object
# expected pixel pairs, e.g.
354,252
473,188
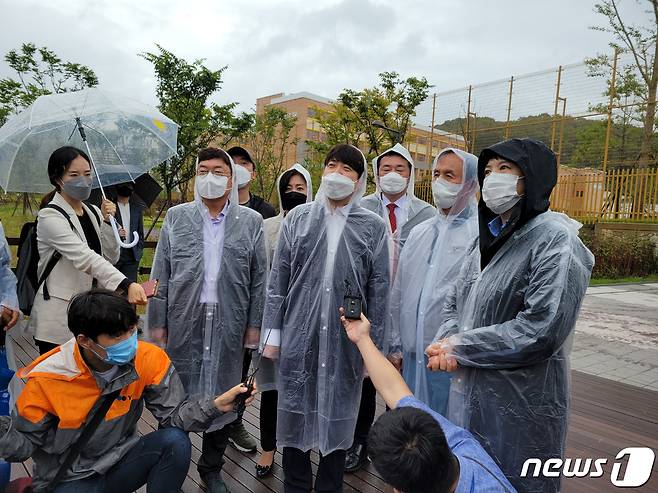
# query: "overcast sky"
320,46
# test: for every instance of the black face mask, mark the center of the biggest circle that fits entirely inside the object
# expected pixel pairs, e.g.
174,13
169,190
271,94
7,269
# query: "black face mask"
124,190
290,200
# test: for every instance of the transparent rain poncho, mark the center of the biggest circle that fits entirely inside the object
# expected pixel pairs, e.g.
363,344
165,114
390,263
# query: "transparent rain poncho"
266,375
415,213
319,259
509,325
205,341
428,264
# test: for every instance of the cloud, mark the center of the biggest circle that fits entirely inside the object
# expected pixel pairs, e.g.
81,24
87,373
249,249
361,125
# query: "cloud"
322,46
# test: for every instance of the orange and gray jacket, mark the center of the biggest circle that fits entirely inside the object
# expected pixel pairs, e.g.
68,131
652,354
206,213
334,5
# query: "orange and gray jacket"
61,394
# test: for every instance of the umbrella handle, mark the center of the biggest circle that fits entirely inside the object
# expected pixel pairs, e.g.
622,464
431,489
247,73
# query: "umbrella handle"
121,243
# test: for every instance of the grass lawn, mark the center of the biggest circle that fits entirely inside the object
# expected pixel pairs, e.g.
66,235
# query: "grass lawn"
624,280
13,222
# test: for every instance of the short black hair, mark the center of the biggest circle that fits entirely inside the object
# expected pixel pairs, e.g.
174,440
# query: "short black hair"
237,151
391,153
100,311
208,153
60,160
408,448
346,154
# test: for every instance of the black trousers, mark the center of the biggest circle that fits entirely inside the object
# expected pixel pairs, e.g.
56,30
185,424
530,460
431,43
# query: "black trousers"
128,268
45,346
267,418
213,447
367,410
298,477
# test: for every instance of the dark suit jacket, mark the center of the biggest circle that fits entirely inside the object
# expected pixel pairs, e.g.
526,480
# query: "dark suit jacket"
136,224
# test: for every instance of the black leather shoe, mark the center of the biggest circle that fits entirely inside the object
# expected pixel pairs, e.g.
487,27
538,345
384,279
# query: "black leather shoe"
356,458
264,471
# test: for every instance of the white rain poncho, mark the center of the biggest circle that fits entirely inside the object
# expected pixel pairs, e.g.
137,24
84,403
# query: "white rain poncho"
266,375
511,314
320,370
205,340
415,212
428,264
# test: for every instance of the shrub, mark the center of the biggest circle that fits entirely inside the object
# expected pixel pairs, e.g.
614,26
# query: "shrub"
627,254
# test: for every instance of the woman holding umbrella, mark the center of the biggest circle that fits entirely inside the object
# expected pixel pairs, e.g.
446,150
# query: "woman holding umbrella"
86,242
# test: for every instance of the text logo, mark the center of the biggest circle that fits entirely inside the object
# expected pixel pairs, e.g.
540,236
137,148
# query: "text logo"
639,464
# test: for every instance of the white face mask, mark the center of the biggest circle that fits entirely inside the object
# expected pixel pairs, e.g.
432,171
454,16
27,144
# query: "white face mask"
242,175
337,186
211,186
392,182
445,193
499,192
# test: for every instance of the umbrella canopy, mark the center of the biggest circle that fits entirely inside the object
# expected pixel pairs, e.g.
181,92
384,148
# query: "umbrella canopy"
126,138
146,189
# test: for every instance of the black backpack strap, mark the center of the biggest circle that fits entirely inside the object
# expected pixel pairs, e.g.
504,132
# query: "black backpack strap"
98,218
85,436
52,262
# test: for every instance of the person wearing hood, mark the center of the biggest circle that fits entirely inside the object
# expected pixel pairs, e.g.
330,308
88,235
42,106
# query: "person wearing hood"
328,250
429,263
395,202
245,174
211,264
9,309
294,188
510,315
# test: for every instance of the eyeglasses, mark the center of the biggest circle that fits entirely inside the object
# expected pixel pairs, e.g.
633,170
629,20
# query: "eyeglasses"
216,172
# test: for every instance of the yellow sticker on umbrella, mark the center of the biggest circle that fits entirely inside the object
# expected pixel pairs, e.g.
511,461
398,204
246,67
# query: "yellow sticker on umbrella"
159,124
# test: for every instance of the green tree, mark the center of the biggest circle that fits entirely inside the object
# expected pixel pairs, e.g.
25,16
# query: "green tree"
184,90
39,71
640,79
349,120
270,139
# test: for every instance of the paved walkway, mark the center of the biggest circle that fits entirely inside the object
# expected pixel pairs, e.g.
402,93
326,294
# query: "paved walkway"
617,334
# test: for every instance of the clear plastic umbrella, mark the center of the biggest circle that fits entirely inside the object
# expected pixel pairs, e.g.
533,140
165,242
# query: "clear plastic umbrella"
123,138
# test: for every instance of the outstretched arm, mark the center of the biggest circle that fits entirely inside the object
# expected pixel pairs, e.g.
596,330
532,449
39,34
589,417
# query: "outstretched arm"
385,377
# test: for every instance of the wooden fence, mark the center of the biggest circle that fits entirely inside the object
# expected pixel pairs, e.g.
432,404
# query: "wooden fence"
590,196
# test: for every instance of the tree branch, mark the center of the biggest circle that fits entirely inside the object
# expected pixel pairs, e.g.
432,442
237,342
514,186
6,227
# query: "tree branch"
629,42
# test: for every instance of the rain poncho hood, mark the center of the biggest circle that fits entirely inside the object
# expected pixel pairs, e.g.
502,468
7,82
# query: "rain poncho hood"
307,178
266,376
416,211
403,152
233,195
428,264
323,254
510,325
205,340
539,166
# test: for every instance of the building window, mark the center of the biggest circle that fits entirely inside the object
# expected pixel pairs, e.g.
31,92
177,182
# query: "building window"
312,135
310,112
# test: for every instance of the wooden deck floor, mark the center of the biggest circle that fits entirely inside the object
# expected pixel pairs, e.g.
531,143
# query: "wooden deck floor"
606,417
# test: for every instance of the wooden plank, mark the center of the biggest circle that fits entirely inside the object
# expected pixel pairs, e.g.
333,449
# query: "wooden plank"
606,416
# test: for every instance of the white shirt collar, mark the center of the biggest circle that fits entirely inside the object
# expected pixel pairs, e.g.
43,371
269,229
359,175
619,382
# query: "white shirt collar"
205,212
339,211
401,202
